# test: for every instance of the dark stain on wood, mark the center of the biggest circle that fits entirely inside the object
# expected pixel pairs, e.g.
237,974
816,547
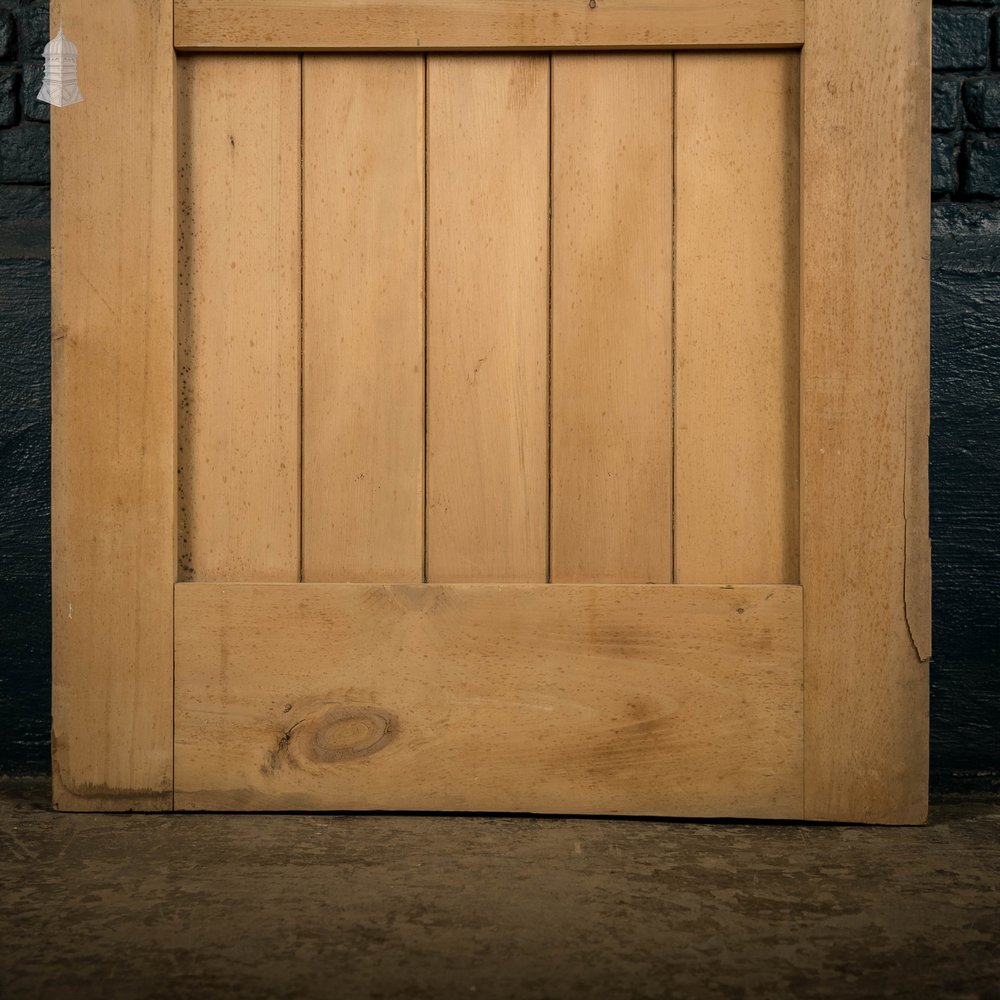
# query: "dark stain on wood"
88,796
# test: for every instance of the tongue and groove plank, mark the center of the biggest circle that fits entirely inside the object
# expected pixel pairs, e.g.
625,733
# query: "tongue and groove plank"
736,495
472,24
239,319
363,333
656,700
612,134
487,318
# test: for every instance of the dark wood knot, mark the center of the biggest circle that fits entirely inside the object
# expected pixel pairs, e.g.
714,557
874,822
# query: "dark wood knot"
343,734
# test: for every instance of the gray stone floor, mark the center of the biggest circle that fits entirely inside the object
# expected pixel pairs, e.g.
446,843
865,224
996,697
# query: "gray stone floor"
445,906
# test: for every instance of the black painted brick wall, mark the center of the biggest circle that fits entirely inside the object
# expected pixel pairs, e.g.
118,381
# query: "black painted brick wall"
965,392
965,441
24,391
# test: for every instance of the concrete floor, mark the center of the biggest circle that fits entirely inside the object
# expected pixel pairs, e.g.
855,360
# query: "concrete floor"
419,906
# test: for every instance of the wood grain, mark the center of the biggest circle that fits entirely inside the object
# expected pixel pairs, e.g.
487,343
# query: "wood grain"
612,136
363,333
865,312
737,312
469,24
487,318
579,699
239,321
113,412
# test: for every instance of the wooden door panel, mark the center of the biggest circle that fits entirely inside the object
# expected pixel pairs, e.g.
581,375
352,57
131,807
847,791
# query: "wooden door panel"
581,699
363,324
519,409
489,290
612,183
737,318
487,318
531,320
239,317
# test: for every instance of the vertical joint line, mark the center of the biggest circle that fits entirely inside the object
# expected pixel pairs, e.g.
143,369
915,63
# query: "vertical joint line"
302,314
673,321
799,468
176,560
426,269
548,457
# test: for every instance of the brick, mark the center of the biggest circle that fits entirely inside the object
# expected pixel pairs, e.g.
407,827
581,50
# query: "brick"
8,35
9,81
982,101
21,202
24,155
982,168
944,165
946,108
961,39
29,239
34,109
33,31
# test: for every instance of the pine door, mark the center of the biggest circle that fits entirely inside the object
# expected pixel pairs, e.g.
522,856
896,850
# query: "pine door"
509,412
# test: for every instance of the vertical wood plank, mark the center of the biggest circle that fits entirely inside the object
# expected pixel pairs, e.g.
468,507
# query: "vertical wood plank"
737,313
487,318
612,137
239,317
363,331
114,412
865,387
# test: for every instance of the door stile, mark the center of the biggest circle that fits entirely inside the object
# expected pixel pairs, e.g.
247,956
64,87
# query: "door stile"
114,411
864,408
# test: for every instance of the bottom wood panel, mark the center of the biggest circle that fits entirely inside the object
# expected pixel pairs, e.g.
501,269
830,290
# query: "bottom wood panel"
646,700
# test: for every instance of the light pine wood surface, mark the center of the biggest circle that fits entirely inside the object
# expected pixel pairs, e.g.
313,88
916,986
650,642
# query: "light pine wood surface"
865,330
487,318
239,321
470,24
521,280
612,134
736,495
363,335
113,412
579,699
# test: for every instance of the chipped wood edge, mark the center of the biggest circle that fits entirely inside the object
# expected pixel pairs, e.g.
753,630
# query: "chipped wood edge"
916,513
